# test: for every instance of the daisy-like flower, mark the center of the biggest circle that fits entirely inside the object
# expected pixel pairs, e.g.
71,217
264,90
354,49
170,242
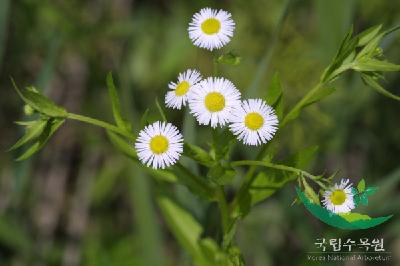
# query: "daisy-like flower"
211,29
177,96
159,145
254,122
212,100
339,199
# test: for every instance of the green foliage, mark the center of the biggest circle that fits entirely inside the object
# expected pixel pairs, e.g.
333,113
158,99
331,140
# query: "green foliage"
230,58
274,95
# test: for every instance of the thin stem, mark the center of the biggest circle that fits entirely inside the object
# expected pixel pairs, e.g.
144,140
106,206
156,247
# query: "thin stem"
100,123
223,206
275,166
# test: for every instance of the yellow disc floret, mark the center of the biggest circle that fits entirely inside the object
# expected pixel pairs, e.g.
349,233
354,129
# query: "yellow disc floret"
211,26
182,88
159,144
253,121
338,197
214,102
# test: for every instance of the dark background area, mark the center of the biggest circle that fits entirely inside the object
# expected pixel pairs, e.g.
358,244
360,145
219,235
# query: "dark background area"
80,202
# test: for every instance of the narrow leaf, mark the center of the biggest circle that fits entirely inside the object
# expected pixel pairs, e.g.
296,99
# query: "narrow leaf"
230,58
375,85
51,127
116,107
161,110
370,64
198,154
274,91
32,132
39,102
367,35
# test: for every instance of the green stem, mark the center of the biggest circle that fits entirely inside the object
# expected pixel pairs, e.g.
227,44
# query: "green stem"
102,124
275,166
223,206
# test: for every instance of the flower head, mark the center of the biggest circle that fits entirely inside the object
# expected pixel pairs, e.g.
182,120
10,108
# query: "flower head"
159,145
212,100
339,198
177,96
211,29
254,122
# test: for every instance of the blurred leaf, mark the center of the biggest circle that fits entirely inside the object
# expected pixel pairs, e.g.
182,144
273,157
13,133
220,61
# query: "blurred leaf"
32,132
370,64
116,107
51,126
161,110
310,193
222,143
370,191
364,199
367,35
221,174
184,227
319,95
375,85
40,103
274,91
229,58
353,216
13,235
198,154
144,119
361,185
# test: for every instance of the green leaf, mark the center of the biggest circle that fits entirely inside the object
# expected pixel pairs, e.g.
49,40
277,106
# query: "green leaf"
198,154
51,126
364,199
274,95
375,85
370,191
310,193
370,64
221,174
116,107
32,132
353,216
222,143
40,103
274,91
161,110
367,35
230,58
184,227
144,119
361,186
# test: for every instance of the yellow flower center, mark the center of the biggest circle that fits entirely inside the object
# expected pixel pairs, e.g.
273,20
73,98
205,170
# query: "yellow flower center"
211,26
182,88
159,144
214,102
338,197
253,121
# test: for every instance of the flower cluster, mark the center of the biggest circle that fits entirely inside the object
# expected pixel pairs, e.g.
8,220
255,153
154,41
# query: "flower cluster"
213,101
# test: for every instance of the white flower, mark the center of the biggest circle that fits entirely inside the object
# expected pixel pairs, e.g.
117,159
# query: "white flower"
177,96
212,100
211,29
339,199
159,145
254,122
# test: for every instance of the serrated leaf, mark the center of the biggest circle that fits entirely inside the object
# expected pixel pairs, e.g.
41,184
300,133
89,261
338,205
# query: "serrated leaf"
116,107
198,154
51,126
32,132
40,103
370,64
229,59
375,85
361,186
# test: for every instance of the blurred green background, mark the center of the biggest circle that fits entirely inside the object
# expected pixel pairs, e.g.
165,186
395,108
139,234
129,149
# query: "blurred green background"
80,202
